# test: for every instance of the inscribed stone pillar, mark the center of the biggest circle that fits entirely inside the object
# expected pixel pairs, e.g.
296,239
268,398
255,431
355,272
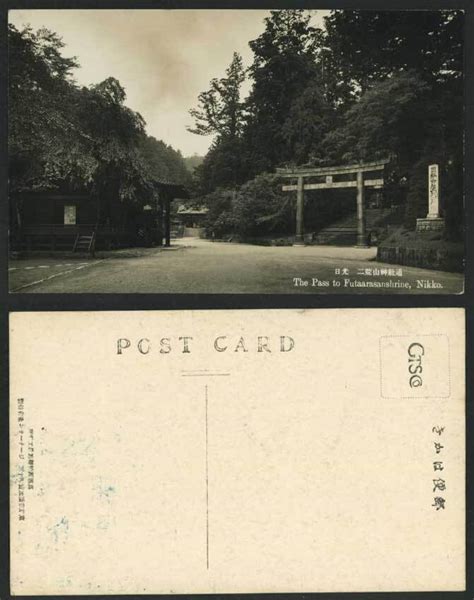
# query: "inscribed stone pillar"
433,220
433,192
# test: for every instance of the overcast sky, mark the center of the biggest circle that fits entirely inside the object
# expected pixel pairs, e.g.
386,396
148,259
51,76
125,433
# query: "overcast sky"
163,58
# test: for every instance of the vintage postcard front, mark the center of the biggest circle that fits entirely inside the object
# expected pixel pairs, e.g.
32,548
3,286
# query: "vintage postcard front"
237,451
211,151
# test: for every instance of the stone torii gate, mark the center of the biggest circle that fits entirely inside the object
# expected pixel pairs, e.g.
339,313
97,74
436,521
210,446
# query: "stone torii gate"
300,173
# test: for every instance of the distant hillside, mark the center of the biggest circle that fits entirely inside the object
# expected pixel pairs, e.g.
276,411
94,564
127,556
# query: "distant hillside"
193,161
164,162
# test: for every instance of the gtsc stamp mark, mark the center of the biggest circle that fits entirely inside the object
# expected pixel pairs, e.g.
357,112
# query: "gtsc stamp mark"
415,366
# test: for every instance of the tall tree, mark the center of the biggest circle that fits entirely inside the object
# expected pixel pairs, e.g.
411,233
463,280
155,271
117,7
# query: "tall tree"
223,166
220,110
368,46
220,113
40,108
284,65
114,132
388,119
308,121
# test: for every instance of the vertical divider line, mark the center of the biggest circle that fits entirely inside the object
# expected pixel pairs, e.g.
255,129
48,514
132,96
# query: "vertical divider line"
207,477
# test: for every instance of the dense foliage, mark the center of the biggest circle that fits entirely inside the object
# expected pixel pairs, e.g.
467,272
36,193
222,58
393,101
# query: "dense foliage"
257,207
371,84
63,136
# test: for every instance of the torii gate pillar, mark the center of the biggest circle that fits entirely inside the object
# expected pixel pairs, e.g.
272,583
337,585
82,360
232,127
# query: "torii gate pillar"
299,239
361,235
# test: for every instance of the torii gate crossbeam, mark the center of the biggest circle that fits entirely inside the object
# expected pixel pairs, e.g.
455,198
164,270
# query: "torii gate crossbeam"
300,173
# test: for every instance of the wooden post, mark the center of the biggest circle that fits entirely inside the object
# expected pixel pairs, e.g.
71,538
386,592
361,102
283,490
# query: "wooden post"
299,241
167,222
160,220
361,237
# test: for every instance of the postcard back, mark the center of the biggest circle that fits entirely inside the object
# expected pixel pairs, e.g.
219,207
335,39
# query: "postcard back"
237,451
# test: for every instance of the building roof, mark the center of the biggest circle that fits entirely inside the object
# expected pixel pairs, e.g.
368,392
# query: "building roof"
178,190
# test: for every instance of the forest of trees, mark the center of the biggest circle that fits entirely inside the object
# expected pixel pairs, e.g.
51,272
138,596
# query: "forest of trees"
366,86
64,136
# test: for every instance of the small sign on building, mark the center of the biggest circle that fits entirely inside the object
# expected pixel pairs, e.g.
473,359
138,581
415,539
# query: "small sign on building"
69,214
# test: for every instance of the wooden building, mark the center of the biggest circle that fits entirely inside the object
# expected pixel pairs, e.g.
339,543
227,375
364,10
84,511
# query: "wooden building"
190,220
72,221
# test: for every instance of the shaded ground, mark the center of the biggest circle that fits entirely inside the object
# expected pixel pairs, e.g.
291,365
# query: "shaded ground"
201,266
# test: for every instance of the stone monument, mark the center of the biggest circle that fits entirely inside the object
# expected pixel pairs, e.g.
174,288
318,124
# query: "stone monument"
433,220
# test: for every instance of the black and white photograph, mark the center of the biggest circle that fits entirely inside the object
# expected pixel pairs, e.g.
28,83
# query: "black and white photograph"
234,313
231,151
